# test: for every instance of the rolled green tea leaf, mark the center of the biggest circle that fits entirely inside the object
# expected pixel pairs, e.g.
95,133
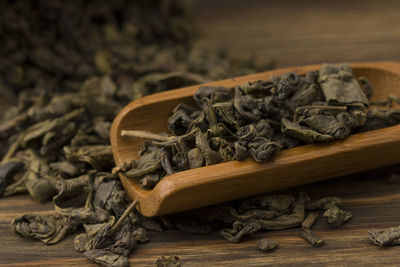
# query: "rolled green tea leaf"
385,237
169,261
7,171
303,133
50,229
339,85
311,237
266,244
309,221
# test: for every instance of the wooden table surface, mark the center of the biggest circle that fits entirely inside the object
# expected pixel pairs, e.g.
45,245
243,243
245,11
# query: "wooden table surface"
373,202
293,33
300,32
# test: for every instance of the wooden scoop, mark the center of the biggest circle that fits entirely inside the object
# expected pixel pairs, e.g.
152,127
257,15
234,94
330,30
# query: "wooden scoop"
233,180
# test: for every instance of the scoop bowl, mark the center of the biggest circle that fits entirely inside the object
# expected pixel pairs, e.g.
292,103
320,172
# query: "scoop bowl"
233,180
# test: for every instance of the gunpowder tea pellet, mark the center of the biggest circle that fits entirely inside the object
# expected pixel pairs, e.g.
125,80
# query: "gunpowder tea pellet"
169,261
266,244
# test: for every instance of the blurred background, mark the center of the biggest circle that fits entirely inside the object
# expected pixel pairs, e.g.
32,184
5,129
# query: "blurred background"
303,32
147,46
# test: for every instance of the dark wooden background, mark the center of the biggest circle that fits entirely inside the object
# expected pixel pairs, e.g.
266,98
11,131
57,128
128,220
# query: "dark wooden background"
292,33
304,32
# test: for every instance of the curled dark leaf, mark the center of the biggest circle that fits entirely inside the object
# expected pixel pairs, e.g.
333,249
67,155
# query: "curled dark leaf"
339,85
329,125
106,258
169,261
385,237
216,94
146,164
65,169
72,193
266,244
262,149
335,216
366,86
7,170
311,237
50,229
302,133
98,156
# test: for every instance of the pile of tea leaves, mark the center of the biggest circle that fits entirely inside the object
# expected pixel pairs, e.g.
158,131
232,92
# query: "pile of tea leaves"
70,66
258,120
58,56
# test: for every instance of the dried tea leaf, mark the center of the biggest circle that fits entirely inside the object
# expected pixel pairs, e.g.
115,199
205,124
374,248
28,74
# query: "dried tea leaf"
262,149
98,156
35,179
41,128
385,237
149,181
50,229
108,193
65,169
328,125
97,234
307,96
72,193
216,94
41,189
246,106
366,86
311,237
377,119
7,170
266,244
140,235
98,101
196,158
303,133
284,221
323,203
336,217
146,164
240,230
339,85
309,221
210,156
106,258
169,261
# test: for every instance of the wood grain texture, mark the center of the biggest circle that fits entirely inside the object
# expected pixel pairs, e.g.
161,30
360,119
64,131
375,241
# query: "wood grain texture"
373,202
231,180
296,32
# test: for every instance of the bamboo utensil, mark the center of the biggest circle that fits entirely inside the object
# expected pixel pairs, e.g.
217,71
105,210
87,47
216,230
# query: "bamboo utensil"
232,180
